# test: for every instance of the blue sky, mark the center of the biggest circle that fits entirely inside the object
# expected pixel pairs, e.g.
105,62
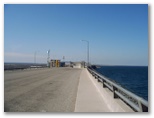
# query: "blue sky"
118,34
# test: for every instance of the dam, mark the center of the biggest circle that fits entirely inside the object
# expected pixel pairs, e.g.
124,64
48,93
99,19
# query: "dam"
65,89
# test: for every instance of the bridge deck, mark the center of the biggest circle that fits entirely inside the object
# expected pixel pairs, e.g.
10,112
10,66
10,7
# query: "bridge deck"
41,90
57,90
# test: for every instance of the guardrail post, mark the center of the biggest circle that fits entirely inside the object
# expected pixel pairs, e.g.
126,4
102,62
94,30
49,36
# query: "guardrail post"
104,84
98,79
142,107
96,76
114,94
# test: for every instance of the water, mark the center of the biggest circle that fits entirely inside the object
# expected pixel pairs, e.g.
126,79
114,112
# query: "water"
132,78
14,66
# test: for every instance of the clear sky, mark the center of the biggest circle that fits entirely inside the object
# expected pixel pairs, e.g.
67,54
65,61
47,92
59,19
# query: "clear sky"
117,34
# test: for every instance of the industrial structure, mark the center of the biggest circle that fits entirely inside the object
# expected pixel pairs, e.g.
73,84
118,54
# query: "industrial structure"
55,63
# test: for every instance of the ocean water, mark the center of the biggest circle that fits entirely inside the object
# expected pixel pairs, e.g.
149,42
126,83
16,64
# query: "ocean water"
132,78
14,66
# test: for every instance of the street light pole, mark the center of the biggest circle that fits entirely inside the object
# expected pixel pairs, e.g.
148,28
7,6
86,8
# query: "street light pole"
87,51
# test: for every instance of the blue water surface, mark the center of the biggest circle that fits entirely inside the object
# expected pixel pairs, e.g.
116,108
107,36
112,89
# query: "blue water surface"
133,78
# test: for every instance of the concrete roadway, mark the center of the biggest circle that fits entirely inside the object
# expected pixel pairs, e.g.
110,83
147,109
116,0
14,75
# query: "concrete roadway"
41,90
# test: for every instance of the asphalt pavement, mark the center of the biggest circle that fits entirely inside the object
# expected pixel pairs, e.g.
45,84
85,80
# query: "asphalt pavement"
41,90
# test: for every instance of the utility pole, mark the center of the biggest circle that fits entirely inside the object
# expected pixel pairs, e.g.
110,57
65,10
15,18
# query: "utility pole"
48,58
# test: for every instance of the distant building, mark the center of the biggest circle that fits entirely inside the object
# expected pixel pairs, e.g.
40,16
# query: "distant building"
68,64
78,64
62,64
55,63
58,63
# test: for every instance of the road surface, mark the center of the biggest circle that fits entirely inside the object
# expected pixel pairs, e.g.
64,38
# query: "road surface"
41,90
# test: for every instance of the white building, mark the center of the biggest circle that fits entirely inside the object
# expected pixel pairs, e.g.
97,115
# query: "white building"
78,64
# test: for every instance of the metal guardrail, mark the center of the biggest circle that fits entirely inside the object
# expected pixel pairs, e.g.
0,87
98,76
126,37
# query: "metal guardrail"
135,102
